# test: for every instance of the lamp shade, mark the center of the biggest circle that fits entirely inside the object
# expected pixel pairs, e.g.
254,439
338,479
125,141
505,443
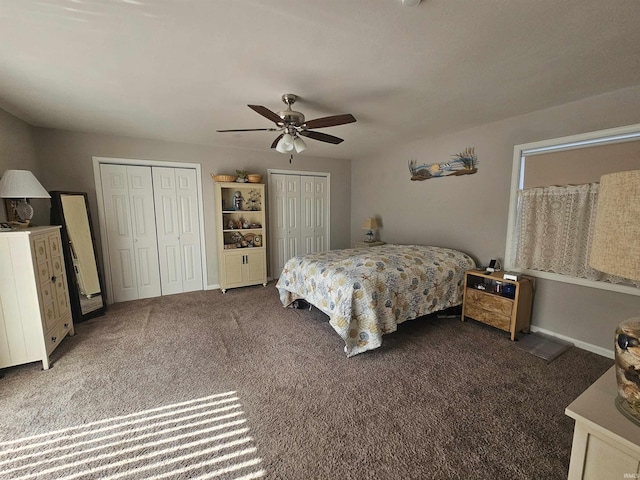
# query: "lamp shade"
21,184
285,144
299,144
370,224
615,248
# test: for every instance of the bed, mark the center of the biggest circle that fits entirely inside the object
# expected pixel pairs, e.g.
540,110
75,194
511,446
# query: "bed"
367,292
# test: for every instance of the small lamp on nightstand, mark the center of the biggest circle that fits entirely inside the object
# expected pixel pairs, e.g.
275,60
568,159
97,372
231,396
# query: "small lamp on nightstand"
616,250
370,224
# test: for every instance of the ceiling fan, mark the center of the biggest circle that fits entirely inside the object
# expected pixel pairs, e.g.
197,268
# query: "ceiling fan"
292,124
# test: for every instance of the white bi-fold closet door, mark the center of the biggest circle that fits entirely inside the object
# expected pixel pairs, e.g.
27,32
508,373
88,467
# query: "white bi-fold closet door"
178,229
298,216
152,230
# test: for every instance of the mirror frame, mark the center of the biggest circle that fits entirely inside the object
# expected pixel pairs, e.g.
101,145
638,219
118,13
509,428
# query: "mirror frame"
57,218
627,133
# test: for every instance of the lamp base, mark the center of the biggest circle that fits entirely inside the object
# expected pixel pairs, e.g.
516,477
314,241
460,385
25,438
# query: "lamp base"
627,357
15,224
624,408
17,211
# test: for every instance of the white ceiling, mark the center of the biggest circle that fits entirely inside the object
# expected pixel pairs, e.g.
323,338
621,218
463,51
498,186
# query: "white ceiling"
181,69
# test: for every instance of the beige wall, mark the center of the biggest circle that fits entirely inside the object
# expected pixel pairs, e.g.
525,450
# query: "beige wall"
467,212
66,161
470,212
17,152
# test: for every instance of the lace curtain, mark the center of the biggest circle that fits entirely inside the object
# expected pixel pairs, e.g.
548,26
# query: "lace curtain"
554,231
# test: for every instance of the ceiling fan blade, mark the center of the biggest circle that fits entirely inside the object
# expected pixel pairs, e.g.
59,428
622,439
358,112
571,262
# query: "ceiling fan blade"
323,137
250,130
275,142
265,112
331,121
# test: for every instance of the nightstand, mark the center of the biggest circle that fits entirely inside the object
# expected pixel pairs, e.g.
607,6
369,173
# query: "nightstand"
369,244
485,300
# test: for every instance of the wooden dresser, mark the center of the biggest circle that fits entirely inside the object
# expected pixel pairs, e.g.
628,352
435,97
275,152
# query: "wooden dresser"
34,302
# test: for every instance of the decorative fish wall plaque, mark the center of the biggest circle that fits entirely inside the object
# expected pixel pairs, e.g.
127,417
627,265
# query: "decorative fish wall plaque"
463,163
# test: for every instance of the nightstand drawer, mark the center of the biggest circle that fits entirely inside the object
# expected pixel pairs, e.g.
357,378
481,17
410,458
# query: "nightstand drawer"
493,318
488,301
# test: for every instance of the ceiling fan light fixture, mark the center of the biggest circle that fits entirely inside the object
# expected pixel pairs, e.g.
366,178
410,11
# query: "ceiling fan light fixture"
299,144
285,146
287,139
293,124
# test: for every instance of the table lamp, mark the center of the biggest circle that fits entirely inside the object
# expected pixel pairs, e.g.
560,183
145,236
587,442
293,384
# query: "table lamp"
370,224
17,186
615,249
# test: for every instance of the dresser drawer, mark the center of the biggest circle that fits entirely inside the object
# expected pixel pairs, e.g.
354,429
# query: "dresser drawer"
55,335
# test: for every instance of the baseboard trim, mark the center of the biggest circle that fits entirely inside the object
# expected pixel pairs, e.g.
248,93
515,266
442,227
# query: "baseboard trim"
216,286
578,343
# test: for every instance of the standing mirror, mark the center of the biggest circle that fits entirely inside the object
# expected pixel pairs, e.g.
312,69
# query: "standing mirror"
71,210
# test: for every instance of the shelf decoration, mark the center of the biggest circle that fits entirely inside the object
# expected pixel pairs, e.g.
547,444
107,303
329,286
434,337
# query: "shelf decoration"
237,200
463,163
242,176
253,203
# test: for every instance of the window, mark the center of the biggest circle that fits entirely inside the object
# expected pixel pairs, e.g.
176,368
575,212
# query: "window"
553,192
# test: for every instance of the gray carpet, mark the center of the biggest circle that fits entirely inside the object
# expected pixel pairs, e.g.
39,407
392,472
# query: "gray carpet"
206,385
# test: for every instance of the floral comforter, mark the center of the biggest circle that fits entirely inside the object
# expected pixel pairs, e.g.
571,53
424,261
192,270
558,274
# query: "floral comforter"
367,292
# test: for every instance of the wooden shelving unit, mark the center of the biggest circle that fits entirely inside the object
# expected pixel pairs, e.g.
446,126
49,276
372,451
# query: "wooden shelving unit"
242,234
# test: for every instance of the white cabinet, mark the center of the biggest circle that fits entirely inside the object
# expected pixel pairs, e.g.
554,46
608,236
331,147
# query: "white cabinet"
606,444
241,234
243,268
298,216
35,313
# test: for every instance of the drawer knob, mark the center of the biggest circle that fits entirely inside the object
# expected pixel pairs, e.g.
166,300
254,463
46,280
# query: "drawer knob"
53,339
66,325
53,279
